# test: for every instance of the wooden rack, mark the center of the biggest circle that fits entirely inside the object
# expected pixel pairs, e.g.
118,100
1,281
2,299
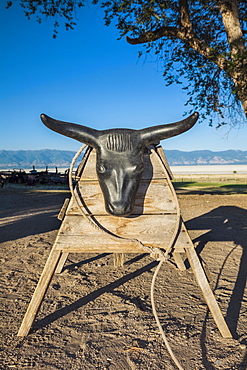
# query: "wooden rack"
152,222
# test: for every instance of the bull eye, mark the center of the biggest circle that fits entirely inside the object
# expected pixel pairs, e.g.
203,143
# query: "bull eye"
101,168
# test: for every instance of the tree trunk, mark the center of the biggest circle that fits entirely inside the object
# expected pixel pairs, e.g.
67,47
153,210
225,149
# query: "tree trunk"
244,103
238,53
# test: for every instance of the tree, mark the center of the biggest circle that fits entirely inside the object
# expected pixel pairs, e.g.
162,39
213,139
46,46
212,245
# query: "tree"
201,43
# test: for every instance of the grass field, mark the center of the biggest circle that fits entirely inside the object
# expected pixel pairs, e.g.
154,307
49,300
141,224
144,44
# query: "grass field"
198,187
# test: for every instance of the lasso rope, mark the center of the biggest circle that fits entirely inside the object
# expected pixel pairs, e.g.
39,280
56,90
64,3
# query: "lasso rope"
156,253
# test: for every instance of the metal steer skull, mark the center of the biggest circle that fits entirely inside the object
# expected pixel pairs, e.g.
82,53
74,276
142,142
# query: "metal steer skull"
119,163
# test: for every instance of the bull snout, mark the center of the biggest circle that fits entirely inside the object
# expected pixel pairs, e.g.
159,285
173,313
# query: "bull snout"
119,190
119,184
119,209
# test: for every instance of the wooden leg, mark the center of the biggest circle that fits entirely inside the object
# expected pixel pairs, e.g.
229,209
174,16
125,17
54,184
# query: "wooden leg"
63,209
61,262
179,261
39,293
118,259
207,292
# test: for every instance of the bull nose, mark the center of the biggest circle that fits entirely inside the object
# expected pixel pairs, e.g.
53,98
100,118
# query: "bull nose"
119,209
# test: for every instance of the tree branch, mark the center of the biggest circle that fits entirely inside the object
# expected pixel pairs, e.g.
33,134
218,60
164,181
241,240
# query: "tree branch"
185,33
188,38
154,35
185,16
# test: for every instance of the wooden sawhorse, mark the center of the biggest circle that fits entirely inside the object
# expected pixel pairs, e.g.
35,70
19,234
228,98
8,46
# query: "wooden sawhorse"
152,222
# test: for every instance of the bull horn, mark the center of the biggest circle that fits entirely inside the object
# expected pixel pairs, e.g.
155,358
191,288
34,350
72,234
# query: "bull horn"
81,133
152,135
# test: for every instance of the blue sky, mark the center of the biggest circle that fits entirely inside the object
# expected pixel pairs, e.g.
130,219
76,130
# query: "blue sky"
86,76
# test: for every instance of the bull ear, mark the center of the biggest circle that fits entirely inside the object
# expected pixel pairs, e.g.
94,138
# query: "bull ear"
81,133
154,134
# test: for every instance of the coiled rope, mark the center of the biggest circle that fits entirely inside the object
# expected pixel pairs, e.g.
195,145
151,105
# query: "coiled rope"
155,253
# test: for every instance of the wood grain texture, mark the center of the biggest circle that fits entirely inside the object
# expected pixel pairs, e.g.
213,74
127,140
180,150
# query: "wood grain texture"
63,209
145,203
207,293
152,222
154,231
162,156
61,262
39,293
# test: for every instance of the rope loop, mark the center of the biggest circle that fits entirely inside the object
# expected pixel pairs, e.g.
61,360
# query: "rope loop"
159,255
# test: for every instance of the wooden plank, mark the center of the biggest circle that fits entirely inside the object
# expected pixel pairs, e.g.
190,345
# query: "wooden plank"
207,293
63,209
152,168
39,293
89,169
77,235
77,245
83,162
162,156
179,261
118,259
91,245
61,263
145,227
152,198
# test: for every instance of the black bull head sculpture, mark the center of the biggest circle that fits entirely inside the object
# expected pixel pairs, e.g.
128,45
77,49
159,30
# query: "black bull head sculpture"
119,163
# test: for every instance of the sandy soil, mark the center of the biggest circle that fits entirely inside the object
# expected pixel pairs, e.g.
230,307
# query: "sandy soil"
95,316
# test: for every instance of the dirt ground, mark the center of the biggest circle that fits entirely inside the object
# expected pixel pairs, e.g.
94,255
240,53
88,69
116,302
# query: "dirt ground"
95,316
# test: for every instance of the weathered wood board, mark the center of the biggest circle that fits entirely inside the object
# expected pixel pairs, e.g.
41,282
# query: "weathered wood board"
152,230
145,203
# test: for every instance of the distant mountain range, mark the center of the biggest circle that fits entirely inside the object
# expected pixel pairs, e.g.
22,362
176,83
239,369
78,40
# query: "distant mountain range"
205,157
18,159
38,158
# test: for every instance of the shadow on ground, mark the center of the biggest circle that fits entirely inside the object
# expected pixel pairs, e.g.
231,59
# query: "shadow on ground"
34,213
226,224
